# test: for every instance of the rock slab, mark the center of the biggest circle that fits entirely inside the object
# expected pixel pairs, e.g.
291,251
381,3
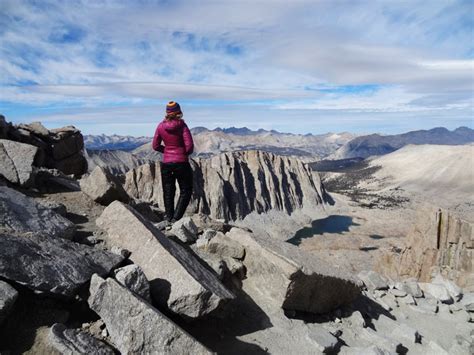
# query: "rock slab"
51,265
103,187
437,291
74,341
291,278
323,340
16,162
411,287
185,230
178,280
221,245
23,214
135,326
373,280
133,278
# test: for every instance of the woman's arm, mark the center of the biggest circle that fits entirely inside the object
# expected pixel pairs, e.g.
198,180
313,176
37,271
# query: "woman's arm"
188,140
156,144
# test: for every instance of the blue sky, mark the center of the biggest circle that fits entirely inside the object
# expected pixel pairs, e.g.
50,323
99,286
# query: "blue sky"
300,66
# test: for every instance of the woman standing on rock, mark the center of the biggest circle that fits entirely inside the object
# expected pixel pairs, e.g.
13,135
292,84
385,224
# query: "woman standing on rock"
178,141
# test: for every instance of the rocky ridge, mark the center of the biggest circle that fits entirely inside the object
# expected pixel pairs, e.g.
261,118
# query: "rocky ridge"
232,185
60,148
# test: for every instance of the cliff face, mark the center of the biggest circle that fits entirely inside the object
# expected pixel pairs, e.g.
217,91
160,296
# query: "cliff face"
232,185
439,242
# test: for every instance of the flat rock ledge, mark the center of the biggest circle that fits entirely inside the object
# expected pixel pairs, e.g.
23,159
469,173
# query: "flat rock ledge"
51,265
294,280
178,279
135,327
22,214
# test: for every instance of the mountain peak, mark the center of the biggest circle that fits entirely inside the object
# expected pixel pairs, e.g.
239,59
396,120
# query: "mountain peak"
242,131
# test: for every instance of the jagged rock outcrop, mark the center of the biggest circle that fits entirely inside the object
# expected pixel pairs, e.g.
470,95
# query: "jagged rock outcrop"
61,148
23,214
232,185
439,242
135,326
74,341
178,280
51,265
291,279
103,187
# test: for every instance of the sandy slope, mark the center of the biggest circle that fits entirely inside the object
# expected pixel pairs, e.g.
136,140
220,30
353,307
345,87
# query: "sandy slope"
436,173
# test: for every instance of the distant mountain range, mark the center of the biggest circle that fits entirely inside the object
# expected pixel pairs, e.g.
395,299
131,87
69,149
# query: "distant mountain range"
240,131
129,143
210,142
117,162
376,144
114,142
310,148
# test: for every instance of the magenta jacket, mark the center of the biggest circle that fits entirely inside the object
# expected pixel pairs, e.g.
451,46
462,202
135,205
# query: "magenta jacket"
177,138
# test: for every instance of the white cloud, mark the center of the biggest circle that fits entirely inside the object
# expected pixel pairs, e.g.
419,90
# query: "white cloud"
389,99
418,54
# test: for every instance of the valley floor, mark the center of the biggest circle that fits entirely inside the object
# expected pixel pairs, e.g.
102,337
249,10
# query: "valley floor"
345,233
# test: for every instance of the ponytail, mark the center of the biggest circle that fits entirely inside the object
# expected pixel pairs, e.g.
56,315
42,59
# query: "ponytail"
173,116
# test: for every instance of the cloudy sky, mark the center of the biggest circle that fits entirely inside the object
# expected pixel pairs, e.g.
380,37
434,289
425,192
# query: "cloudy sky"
294,66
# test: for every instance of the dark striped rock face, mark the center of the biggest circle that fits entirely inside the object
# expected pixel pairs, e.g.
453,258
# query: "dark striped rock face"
51,265
74,341
21,214
232,185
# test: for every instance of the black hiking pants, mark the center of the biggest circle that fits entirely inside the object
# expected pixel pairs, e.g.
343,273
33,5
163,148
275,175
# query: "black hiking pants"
170,172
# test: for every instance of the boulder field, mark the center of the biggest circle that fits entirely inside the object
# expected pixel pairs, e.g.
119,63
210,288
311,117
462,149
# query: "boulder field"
86,268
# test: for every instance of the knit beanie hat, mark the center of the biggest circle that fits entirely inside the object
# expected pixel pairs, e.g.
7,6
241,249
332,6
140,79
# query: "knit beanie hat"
173,107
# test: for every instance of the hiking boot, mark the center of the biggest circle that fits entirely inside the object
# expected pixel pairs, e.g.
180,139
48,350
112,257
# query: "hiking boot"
170,224
164,225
